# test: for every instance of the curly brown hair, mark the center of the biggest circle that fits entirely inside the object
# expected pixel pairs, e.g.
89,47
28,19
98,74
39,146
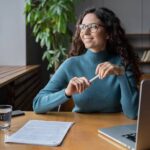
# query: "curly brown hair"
117,42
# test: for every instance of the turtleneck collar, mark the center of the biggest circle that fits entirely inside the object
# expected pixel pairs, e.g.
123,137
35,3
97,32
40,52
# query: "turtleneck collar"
100,56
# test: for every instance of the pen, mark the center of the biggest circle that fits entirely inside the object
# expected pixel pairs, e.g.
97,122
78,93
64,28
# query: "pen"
94,78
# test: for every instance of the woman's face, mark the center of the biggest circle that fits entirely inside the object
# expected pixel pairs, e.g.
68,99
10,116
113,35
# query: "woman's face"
92,33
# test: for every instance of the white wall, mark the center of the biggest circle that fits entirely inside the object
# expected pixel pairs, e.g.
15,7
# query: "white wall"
12,33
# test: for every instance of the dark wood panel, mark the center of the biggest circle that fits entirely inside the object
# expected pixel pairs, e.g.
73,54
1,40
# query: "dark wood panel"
19,89
27,76
14,74
20,85
25,100
28,106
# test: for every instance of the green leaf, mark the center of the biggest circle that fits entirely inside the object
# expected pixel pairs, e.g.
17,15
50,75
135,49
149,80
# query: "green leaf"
49,20
48,44
37,38
42,43
29,18
51,52
44,55
36,29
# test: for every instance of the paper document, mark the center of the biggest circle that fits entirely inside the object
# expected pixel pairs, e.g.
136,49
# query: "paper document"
38,132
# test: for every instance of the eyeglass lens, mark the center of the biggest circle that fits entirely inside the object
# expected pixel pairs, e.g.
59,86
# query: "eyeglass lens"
91,27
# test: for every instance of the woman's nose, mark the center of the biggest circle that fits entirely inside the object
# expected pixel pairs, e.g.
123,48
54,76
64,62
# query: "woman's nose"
87,31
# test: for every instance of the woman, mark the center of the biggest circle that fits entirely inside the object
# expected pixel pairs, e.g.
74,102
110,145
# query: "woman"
99,48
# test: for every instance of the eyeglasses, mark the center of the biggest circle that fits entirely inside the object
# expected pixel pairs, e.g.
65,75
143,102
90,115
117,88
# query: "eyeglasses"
93,27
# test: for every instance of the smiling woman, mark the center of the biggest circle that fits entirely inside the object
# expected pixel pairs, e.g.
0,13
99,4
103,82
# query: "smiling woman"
99,48
93,35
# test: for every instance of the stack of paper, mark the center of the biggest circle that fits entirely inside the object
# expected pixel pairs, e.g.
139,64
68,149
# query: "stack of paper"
39,132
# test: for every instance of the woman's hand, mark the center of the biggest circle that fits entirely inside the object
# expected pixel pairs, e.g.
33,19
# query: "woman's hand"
106,68
77,85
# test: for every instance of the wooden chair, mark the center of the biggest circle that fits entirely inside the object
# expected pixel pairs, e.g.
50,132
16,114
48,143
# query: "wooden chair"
67,106
145,76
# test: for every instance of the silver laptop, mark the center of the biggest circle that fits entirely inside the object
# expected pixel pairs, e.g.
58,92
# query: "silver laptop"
135,136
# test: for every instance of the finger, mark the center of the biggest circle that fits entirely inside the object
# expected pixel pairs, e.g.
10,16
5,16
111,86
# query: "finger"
102,72
76,85
105,65
97,68
71,82
101,68
86,82
74,78
112,70
104,69
81,84
107,72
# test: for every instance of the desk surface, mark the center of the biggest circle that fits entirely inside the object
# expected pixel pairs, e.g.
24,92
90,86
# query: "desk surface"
82,136
10,73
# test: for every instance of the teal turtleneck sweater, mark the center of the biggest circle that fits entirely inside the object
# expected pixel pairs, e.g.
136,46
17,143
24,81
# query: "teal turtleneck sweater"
111,94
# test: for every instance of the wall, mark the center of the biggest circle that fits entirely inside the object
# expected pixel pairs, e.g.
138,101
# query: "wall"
83,4
129,12
12,33
134,14
146,16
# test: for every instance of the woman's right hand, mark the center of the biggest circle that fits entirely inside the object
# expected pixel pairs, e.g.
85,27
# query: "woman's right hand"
77,85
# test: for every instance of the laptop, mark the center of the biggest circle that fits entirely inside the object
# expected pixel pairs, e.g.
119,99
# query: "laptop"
134,136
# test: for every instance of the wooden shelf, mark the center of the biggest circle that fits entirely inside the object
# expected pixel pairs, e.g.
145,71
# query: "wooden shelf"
143,62
141,43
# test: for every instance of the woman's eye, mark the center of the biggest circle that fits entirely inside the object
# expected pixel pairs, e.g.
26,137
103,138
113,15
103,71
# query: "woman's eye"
82,27
94,26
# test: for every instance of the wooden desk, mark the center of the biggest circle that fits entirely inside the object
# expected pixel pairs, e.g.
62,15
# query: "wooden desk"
82,136
19,84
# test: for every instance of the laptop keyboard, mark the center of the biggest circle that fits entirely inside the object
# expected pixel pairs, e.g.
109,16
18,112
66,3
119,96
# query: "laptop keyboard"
131,136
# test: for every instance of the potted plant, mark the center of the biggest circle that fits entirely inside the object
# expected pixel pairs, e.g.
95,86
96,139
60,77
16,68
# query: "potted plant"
49,20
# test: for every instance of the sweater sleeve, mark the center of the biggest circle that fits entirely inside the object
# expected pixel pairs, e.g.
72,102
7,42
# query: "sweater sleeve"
129,93
53,94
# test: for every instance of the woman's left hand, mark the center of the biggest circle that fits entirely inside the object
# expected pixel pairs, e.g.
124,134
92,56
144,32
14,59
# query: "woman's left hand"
106,68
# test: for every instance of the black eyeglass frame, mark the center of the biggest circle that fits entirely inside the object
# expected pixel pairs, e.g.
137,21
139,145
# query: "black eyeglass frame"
89,26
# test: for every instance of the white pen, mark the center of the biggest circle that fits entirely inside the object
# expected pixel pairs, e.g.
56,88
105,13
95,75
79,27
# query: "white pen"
94,78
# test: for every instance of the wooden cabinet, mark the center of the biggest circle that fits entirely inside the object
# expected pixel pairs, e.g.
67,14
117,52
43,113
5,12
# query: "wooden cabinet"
19,85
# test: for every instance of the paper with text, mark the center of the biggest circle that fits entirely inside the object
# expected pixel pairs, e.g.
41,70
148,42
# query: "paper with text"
38,132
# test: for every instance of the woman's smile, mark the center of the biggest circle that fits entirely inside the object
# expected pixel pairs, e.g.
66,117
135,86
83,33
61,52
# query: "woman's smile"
87,39
95,39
